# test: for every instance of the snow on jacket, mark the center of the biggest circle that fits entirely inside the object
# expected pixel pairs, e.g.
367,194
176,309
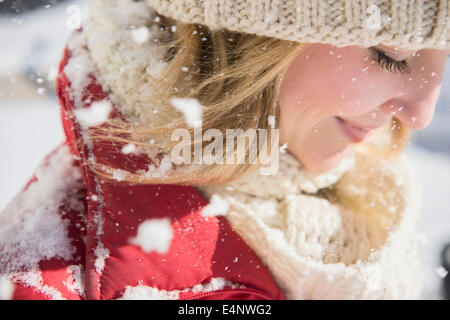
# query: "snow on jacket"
73,235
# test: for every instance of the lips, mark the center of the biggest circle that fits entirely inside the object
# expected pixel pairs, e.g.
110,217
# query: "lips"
355,133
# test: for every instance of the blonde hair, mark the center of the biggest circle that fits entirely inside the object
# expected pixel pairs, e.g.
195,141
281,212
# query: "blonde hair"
236,76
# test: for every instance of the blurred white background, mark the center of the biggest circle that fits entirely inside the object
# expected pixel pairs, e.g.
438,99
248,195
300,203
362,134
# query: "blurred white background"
32,42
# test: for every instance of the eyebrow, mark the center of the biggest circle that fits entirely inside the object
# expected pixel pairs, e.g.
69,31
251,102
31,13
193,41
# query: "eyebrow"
396,49
398,54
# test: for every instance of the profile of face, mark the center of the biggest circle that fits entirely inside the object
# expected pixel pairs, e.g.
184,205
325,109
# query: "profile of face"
334,97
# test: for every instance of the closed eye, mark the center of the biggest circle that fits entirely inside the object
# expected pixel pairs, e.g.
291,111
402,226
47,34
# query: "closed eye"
388,63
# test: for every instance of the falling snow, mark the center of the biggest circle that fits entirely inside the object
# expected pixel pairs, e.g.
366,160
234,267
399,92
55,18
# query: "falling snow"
283,148
128,148
154,235
191,109
216,207
441,272
272,121
95,115
140,35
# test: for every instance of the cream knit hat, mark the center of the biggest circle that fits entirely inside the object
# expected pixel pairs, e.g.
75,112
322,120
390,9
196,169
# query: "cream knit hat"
410,24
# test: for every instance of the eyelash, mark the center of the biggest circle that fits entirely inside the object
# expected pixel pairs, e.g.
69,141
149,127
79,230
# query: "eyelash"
388,63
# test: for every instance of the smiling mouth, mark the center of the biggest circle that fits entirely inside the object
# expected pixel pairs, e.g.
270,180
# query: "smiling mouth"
354,133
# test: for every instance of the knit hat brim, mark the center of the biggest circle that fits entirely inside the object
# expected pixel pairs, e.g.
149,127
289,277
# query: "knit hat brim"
408,24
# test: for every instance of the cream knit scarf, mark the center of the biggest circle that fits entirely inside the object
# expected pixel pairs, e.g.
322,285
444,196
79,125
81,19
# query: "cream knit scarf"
354,241
361,246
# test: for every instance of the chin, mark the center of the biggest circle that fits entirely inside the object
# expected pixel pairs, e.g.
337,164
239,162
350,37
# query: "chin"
323,164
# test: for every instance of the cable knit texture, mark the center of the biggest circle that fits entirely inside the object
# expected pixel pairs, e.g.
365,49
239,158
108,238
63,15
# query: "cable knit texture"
361,246
411,24
317,249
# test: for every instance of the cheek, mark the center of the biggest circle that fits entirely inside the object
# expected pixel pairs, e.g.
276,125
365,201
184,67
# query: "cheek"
342,83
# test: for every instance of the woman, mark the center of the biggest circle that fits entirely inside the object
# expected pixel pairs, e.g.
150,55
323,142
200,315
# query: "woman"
149,200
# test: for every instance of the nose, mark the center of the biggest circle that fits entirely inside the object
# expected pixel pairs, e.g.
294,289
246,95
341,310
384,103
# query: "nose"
415,112
415,107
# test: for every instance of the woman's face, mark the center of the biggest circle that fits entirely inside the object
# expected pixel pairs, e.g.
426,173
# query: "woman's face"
333,97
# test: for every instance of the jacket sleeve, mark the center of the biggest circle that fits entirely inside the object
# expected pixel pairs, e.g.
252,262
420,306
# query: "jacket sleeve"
41,234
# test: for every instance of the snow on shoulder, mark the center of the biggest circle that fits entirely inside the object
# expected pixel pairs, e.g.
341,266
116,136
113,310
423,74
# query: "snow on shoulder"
79,67
154,235
32,230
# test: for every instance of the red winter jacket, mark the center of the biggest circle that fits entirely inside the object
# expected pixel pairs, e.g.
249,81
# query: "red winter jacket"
100,262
